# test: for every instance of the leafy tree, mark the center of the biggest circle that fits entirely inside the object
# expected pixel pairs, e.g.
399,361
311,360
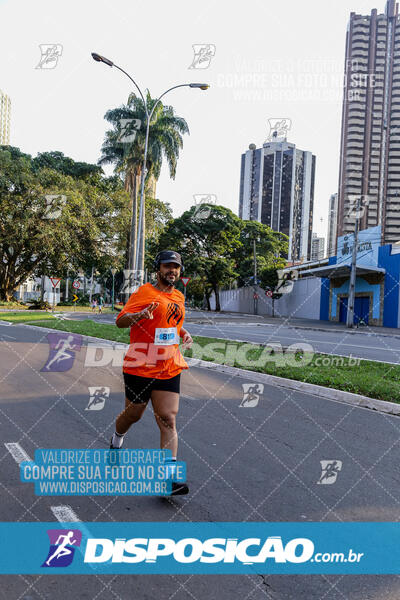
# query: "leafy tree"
269,278
165,141
86,230
270,245
158,214
58,162
207,245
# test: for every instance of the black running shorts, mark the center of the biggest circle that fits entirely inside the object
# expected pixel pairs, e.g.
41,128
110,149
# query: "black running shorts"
138,389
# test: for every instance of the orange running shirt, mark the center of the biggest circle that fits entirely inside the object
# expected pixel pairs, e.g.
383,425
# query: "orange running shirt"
154,343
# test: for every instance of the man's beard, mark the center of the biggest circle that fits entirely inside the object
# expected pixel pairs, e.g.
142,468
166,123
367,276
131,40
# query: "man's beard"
165,280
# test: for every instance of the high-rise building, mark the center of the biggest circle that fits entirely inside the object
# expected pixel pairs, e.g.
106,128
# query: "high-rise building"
370,138
332,225
317,247
5,117
277,189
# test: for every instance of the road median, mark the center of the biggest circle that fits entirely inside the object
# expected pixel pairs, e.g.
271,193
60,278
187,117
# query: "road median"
298,364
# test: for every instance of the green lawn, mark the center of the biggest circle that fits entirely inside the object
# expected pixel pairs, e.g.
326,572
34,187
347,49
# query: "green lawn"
369,378
25,316
16,306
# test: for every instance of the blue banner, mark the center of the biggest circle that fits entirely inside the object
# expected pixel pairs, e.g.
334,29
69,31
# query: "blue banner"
191,548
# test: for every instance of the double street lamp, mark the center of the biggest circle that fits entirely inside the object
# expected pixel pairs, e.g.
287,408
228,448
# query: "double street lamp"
140,236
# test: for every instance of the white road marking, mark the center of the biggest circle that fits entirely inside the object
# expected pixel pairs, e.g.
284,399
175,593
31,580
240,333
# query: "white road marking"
65,514
18,453
8,336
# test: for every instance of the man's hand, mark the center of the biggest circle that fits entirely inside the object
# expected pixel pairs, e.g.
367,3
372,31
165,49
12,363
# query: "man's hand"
129,319
187,340
147,313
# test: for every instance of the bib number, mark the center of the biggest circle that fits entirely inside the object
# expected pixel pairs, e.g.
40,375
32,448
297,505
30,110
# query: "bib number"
166,336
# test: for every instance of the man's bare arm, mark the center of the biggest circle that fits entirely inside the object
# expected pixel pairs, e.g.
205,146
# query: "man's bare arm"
129,319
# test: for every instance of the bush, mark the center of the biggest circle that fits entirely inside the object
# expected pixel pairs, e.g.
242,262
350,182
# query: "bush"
66,303
13,303
39,305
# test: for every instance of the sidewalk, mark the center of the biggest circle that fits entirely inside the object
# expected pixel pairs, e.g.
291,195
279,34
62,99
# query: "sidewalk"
292,322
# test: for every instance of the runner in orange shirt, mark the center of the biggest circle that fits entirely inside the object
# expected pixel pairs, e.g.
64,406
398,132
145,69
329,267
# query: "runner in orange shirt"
153,362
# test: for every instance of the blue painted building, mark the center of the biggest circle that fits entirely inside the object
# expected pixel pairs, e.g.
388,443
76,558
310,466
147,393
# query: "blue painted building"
377,281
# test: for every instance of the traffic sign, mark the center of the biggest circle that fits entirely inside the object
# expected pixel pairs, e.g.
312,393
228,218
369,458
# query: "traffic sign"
74,298
255,296
185,280
269,293
76,284
55,281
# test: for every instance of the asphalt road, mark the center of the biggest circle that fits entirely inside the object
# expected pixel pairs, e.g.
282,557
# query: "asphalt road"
244,464
370,345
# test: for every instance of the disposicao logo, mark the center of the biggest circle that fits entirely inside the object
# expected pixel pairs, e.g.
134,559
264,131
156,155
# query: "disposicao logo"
62,547
191,550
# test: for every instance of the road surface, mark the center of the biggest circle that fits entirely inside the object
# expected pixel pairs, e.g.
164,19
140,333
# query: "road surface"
244,464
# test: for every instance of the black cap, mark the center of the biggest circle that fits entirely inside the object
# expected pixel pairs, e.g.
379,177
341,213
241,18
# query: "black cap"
167,256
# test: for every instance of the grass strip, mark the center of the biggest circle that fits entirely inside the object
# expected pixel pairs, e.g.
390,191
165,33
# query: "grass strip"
368,378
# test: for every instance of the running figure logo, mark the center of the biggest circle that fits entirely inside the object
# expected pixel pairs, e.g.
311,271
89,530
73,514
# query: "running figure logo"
62,547
62,351
203,53
50,53
251,394
174,312
330,470
98,396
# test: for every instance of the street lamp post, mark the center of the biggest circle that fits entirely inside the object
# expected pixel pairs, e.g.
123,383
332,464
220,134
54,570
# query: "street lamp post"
140,236
113,271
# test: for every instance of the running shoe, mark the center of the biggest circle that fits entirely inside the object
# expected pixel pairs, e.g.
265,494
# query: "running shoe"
179,488
114,447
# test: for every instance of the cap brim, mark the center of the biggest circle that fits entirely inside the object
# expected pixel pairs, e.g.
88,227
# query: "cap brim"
170,260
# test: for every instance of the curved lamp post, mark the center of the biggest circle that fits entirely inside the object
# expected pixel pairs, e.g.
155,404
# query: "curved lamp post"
201,86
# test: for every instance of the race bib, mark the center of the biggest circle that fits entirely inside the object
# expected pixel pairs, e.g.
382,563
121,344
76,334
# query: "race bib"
166,336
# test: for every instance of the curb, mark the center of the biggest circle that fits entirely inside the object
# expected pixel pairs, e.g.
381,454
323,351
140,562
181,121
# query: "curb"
331,394
308,328
390,408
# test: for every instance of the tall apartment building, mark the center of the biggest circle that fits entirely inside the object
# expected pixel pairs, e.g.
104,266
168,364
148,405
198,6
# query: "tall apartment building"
332,225
5,118
277,189
370,138
317,247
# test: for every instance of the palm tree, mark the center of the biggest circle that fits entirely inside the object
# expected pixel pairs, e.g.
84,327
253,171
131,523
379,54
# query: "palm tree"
165,141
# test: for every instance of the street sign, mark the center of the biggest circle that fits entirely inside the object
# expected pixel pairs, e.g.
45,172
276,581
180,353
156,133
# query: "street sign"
55,281
185,280
269,293
76,284
74,298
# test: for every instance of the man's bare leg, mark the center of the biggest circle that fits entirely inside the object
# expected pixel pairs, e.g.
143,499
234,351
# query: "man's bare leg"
165,406
131,414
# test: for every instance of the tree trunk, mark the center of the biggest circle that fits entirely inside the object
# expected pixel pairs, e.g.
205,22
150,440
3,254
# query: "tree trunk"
6,294
208,302
217,304
131,188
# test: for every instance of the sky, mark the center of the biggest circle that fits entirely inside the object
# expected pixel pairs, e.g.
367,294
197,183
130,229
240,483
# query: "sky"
272,60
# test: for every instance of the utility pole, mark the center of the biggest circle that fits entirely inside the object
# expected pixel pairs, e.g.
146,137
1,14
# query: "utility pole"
352,285
255,276
66,287
91,286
